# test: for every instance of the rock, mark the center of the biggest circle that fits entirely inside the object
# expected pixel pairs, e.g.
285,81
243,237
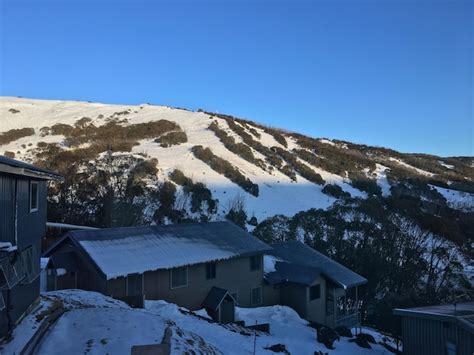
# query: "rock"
327,336
278,348
369,338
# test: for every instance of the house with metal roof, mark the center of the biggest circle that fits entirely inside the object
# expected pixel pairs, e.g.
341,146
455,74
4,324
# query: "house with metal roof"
438,330
179,263
317,287
23,191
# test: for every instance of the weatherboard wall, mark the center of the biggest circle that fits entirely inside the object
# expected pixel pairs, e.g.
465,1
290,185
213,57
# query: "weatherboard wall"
430,337
23,228
233,275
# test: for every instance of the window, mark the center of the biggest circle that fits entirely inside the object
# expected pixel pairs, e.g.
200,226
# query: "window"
179,277
8,276
255,263
256,296
210,271
314,292
34,196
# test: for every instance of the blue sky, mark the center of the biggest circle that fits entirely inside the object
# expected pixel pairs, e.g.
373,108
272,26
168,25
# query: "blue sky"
394,73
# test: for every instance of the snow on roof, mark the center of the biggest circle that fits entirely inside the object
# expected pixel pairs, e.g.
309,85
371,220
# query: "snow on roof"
22,168
123,251
302,264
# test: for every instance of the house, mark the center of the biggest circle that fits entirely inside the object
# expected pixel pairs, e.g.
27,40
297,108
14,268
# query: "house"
433,330
212,265
317,287
205,265
23,193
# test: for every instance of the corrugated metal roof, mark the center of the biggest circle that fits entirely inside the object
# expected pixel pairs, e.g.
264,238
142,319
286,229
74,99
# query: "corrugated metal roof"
215,297
20,165
302,264
122,251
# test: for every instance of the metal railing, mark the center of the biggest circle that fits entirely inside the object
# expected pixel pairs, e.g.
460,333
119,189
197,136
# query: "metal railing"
348,320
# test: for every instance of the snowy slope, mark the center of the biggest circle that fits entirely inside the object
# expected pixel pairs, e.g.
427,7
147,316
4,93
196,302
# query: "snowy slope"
95,324
278,193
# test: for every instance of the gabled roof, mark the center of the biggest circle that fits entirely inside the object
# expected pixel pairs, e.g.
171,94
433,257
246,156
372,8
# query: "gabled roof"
123,251
299,263
215,297
16,167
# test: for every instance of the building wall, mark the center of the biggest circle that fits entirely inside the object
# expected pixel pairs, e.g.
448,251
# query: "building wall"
271,294
429,337
233,275
316,309
296,297
88,276
24,229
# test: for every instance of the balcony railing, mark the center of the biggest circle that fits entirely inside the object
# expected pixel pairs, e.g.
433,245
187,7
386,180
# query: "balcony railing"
348,320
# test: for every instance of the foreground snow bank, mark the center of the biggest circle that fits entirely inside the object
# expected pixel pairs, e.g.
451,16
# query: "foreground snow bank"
96,324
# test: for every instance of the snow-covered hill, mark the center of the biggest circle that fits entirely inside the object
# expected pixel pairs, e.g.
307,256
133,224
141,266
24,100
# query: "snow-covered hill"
279,193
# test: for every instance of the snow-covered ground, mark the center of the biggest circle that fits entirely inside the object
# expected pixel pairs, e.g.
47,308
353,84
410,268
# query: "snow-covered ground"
97,324
457,199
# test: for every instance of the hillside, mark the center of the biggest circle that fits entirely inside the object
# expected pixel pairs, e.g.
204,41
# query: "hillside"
368,207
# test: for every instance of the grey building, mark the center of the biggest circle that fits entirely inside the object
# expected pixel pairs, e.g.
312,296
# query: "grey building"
438,330
317,287
177,263
22,225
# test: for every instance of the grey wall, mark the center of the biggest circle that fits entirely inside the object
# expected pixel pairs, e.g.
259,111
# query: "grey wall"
30,228
316,309
233,275
429,337
89,278
295,296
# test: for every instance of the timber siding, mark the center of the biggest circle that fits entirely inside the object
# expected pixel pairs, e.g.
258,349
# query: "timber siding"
23,228
233,275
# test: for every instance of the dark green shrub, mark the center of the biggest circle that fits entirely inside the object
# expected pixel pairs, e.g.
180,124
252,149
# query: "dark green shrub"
14,134
335,191
240,149
12,110
172,138
225,168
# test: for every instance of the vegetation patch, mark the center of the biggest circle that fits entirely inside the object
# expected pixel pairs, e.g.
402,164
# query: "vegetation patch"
14,134
172,138
225,168
240,149
335,191
199,192
12,110
302,169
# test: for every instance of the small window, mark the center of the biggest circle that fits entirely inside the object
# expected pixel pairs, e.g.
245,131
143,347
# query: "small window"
256,296
34,196
255,263
210,271
314,292
179,277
